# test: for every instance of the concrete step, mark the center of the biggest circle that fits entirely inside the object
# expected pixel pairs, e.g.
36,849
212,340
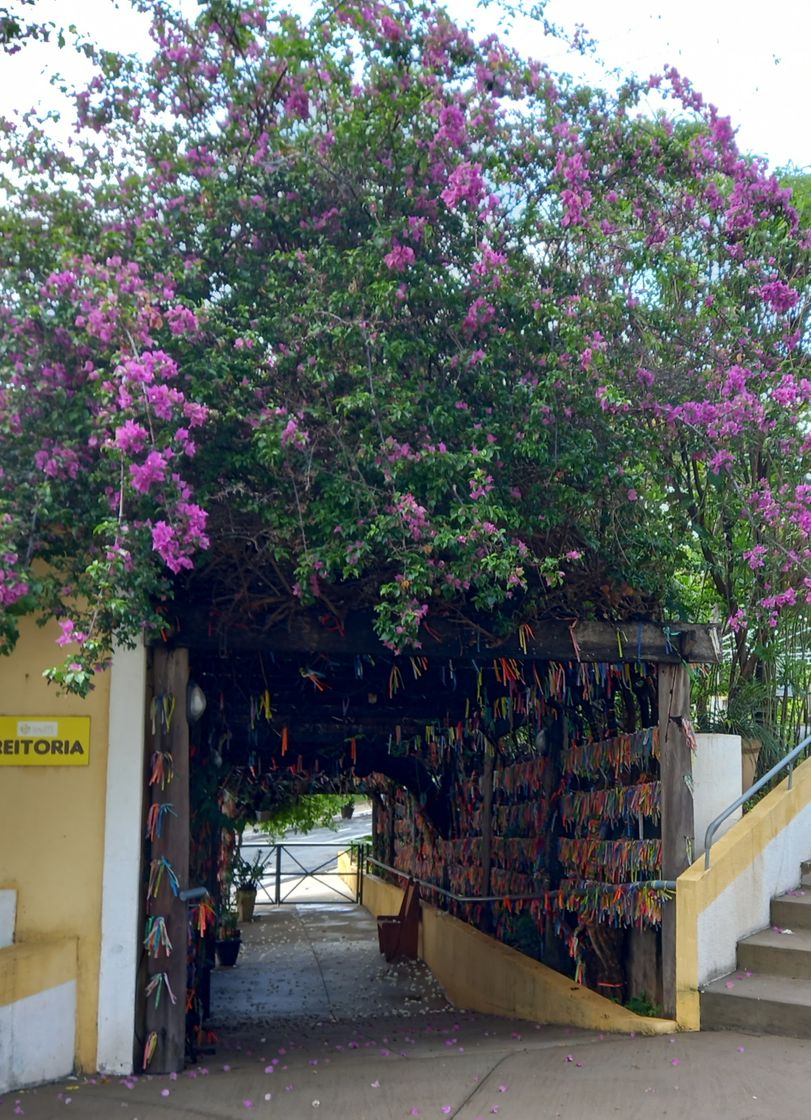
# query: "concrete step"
792,910
759,1003
778,954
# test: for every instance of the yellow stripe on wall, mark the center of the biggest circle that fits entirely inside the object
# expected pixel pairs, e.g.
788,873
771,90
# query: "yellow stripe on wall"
26,970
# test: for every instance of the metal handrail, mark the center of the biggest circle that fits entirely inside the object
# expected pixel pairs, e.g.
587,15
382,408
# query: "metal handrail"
654,884
788,761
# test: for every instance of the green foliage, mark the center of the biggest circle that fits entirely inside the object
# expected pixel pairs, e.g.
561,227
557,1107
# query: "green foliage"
302,814
522,933
643,1005
248,874
463,340
227,925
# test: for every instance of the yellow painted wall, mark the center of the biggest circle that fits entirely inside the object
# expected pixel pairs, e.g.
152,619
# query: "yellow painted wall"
52,824
481,974
731,857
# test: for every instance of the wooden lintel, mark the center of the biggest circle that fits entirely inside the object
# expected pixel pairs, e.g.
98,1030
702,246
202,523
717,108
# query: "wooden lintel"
550,640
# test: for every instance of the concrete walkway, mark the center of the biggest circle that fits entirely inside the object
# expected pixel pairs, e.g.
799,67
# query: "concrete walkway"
313,1024
316,963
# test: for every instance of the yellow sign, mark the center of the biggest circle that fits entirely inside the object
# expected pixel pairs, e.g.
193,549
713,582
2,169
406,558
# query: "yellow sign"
44,741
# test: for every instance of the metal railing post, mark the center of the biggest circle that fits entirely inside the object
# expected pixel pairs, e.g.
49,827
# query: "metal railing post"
278,898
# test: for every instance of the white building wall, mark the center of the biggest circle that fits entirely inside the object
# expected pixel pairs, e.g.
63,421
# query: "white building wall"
716,783
35,1043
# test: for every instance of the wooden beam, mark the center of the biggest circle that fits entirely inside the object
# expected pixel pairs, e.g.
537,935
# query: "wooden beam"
168,1020
676,766
487,814
552,640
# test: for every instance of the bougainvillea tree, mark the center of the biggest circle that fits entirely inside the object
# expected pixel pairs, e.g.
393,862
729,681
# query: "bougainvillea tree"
374,313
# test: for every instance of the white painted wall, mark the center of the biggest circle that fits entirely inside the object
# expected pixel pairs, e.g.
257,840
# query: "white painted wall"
8,916
743,907
716,783
38,1037
122,862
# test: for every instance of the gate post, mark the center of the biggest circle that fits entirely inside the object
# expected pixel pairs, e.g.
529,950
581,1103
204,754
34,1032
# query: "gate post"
170,735
676,768
278,891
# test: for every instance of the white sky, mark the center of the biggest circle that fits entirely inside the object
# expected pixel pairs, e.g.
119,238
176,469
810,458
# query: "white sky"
752,60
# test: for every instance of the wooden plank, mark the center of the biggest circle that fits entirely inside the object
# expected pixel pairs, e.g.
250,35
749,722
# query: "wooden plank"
644,957
487,815
168,1020
676,765
552,640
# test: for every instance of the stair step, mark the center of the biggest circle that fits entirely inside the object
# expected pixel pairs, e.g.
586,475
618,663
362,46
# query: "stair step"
779,954
760,1003
792,910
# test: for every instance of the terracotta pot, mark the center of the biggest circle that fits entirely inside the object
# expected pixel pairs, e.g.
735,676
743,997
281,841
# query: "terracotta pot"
246,901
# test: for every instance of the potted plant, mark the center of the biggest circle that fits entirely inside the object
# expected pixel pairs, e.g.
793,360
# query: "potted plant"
247,875
348,809
228,939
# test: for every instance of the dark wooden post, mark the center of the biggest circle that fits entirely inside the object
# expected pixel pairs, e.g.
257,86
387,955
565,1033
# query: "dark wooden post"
487,814
168,1020
676,765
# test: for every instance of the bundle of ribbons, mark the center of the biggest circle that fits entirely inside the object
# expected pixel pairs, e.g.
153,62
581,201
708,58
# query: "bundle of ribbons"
613,861
156,938
522,779
616,904
467,851
465,881
525,818
577,809
505,882
519,853
612,756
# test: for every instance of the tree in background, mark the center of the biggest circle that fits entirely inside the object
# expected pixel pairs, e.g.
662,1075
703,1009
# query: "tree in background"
366,313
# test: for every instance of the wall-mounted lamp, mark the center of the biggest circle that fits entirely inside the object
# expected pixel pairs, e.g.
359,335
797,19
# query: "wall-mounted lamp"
195,702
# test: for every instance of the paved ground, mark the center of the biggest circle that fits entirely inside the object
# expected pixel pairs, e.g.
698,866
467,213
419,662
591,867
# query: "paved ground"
316,963
314,1025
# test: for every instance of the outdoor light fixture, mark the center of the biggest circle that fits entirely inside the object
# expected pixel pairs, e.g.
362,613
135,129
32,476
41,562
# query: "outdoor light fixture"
195,702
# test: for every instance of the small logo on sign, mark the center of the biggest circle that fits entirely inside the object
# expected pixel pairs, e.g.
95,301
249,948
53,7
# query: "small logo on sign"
37,727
